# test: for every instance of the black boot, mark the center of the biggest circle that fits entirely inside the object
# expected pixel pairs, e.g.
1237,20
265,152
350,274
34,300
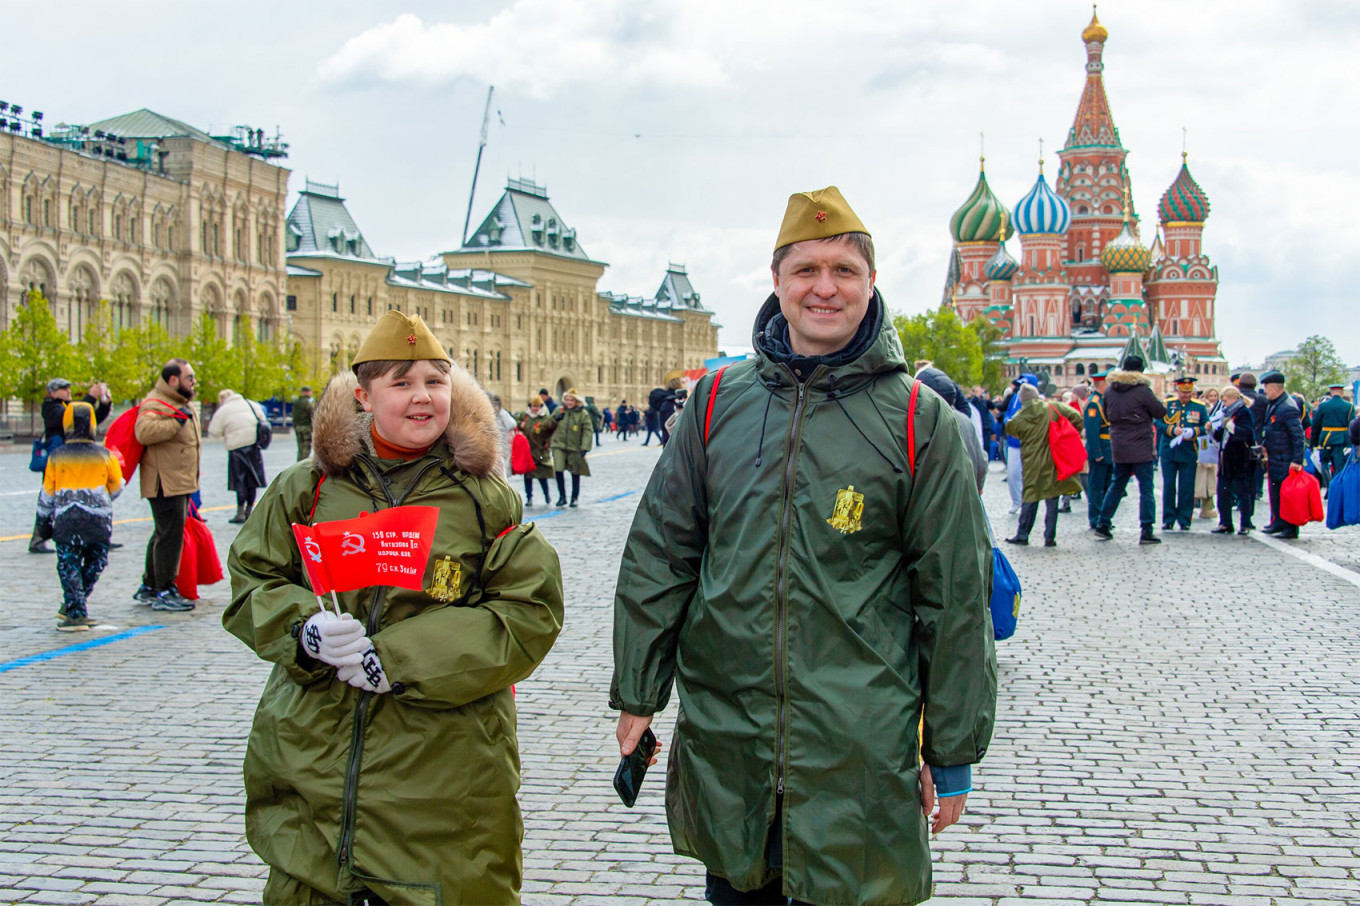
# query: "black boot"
1148,538
240,514
38,543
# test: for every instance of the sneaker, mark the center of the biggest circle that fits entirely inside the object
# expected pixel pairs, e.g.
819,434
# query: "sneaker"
172,601
1148,538
144,594
1103,533
73,624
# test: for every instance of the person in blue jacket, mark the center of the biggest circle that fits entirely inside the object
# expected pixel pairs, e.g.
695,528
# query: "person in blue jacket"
1098,455
1281,433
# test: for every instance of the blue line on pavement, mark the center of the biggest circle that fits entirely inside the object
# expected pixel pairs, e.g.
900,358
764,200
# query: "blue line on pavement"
69,649
537,518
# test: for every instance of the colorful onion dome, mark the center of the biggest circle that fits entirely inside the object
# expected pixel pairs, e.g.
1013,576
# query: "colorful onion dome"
1001,266
1125,254
1185,201
981,217
1095,31
1042,211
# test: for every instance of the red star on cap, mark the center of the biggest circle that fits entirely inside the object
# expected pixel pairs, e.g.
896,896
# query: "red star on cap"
821,216
411,339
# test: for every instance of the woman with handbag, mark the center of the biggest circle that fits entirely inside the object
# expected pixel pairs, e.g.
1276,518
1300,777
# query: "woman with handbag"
237,422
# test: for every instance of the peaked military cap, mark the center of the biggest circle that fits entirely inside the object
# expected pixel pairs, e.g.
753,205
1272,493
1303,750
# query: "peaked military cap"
399,337
1336,386
1186,379
817,215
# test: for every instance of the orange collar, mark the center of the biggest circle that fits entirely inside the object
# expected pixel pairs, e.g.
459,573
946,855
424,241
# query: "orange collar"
386,450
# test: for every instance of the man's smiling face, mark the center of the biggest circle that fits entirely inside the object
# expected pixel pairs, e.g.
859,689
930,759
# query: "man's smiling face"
824,287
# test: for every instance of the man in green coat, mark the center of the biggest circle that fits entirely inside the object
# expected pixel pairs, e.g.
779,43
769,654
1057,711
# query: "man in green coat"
1331,420
1029,425
302,423
809,568
382,764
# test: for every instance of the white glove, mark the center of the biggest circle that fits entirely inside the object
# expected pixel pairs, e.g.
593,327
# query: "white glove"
367,675
1187,433
335,640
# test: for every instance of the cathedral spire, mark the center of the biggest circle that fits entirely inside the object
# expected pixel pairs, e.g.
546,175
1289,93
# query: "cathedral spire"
1094,124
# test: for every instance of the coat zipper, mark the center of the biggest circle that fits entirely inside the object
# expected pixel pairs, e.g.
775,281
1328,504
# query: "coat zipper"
345,849
781,590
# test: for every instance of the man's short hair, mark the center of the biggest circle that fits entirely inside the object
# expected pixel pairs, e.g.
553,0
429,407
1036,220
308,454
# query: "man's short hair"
1247,380
863,243
368,372
543,391
1028,392
173,368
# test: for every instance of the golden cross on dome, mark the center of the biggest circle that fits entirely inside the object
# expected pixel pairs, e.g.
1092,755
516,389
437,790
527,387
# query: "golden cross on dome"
1041,157
982,151
1003,224
1126,204
1185,138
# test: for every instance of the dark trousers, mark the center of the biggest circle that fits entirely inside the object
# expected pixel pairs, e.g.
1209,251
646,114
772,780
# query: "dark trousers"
721,893
562,485
1119,482
1237,492
529,488
1028,512
167,541
1333,459
1178,492
80,562
1259,479
1275,501
304,442
1097,483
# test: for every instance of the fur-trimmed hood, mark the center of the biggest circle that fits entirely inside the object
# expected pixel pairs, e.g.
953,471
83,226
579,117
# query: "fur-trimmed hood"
340,426
1129,378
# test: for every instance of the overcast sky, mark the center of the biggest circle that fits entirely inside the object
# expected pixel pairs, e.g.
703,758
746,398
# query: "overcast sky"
674,130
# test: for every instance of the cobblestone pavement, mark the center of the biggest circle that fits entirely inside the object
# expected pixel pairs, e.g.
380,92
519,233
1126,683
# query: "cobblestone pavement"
1177,725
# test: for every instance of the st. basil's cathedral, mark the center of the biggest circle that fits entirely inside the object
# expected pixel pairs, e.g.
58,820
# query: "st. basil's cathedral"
1086,291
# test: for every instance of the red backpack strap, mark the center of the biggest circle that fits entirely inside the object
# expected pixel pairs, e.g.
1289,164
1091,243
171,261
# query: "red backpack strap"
712,395
316,497
911,428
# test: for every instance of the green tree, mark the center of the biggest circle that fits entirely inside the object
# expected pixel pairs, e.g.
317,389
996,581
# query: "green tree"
36,349
993,355
1314,367
940,337
113,356
215,365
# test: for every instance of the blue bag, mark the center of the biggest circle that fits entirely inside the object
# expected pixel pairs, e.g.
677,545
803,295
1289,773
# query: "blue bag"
1343,500
1005,596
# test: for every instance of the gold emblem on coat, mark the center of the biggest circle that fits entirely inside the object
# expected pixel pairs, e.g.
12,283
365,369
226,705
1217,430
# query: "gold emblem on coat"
448,577
845,516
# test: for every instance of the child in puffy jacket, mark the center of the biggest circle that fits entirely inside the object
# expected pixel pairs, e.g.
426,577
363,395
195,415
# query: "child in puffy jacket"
79,486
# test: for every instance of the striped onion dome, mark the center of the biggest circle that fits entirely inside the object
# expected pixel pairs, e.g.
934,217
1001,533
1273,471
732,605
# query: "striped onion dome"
1125,254
980,218
1001,266
1185,201
1042,211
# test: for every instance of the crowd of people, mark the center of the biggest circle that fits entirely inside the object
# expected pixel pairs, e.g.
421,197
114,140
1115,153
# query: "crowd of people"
1219,450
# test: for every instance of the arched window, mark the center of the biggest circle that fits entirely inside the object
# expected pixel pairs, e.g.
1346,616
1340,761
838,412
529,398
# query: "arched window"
1081,370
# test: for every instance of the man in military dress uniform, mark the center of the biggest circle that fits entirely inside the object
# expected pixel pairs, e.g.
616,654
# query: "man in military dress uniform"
1330,421
302,423
1098,453
1186,419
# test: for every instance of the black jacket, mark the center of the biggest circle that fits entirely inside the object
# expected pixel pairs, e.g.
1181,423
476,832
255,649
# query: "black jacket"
1235,459
1131,407
53,409
1282,435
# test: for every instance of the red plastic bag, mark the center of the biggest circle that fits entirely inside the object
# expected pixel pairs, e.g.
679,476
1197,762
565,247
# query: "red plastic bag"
521,457
198,562
1065,446
1301,499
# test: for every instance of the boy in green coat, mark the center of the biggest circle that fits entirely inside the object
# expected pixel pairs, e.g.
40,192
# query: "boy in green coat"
383,763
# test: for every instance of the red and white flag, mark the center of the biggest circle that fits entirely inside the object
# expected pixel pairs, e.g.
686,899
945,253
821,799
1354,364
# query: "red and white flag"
389,547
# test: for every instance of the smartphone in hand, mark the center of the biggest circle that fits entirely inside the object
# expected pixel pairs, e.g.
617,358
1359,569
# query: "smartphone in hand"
633,767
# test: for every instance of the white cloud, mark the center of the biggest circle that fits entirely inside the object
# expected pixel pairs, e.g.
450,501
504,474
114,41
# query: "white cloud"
539,48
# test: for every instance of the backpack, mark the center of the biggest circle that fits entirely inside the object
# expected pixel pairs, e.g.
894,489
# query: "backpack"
521,457
121,438
263,433
1064,445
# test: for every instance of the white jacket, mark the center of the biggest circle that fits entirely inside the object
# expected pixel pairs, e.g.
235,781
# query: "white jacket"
234,422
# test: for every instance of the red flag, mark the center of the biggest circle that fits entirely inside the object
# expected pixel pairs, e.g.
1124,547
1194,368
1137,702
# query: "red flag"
389,547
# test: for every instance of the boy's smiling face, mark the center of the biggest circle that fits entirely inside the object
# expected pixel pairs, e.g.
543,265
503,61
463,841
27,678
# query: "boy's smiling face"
410,410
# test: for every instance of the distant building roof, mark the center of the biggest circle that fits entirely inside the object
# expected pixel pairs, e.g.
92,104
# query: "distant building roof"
524,219
320,224
676,290
146,123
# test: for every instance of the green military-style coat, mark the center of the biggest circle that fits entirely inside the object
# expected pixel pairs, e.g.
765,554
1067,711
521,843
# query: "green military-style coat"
1193,414
1331,419
1029,425
539,429
574,437
810,598
411,793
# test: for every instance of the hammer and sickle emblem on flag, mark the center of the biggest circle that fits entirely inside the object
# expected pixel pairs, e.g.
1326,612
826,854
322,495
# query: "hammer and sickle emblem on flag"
351,544
313,549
